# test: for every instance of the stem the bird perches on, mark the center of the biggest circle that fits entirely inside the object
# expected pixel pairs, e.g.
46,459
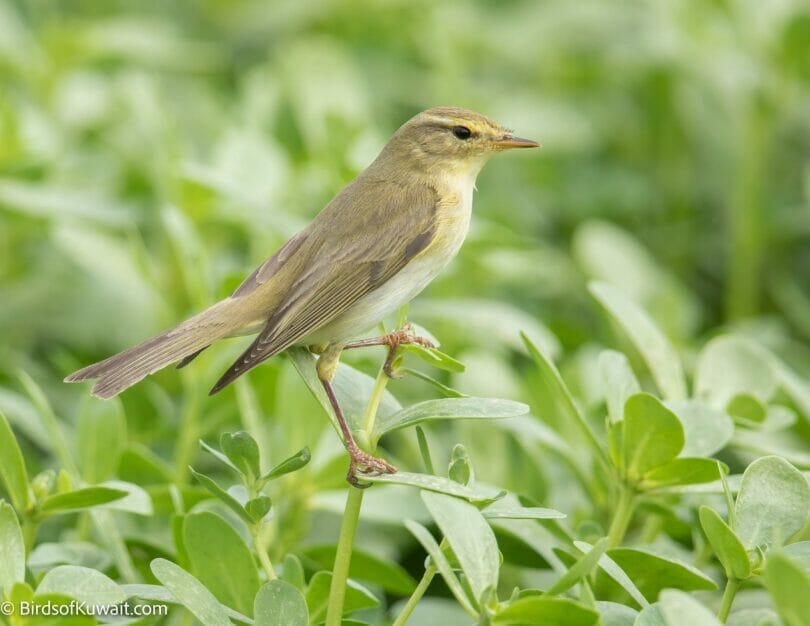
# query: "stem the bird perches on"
351,516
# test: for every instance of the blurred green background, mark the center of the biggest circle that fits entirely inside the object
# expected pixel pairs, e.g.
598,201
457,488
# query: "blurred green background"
153,153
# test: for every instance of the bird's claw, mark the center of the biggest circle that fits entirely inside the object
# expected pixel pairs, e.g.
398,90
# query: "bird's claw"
403,336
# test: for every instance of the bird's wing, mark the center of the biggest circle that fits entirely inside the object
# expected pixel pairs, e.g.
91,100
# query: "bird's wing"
271,266
363,248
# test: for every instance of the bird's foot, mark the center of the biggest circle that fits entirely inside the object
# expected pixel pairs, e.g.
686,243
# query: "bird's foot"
403,336
363,463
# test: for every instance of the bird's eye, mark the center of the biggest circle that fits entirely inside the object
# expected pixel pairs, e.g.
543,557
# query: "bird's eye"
462,132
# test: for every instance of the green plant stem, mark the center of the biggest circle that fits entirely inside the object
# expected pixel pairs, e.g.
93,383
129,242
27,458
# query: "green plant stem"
343,557
621,516
255,531
374,404
29,531
351,517
416,596
732,585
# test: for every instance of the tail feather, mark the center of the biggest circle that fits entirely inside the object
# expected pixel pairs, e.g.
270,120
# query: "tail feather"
188,359
123,370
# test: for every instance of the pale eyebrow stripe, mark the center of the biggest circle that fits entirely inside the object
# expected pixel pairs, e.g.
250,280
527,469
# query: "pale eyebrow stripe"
439,120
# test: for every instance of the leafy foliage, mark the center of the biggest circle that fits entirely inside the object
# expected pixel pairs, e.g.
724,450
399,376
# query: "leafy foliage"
631,305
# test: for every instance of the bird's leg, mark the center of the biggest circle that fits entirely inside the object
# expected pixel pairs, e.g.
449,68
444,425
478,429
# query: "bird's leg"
393,340
360,460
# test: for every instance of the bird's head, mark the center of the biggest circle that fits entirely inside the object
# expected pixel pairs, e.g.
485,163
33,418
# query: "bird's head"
453,139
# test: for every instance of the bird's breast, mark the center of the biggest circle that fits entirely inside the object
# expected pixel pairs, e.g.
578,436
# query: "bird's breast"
452,223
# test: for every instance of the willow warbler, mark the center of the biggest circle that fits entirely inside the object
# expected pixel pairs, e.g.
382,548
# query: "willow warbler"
376,245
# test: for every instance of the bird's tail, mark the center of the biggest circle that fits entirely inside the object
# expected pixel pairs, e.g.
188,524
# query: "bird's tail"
126,368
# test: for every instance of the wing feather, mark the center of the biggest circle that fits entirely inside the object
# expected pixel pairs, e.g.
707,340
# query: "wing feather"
346,265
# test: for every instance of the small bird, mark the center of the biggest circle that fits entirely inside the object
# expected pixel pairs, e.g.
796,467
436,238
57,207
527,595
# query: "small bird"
373,248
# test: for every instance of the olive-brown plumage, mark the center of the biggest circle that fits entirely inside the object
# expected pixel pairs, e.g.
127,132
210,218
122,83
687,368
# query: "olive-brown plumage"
379,242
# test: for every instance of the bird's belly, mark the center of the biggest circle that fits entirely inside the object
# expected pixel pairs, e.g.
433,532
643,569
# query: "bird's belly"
373,307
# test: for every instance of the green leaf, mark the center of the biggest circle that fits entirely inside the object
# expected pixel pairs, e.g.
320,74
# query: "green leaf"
83,584
448,408
794,385
101,438
447,392
789,585
583,567
317,596
434,357
220,559
519,512
84,498
136,501
681,471
800,553
615,614
652,434
521,540
441,563
726,545
108,528
544,611
651,572
754,617
773,502
619,382
292,571
747,408
729,365
367,567
191,593
278,603
243,451
56,438
46,556
12,467
424,450
470,537
258,507
680,608
777,418
435,483
291,464
659,354
12,549
158,593
140,464
162,594
460,469
213,488
706,430
650,616
219,456
562,398
612,569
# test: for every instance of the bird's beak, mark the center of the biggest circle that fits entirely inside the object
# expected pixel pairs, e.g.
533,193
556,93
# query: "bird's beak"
510,141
